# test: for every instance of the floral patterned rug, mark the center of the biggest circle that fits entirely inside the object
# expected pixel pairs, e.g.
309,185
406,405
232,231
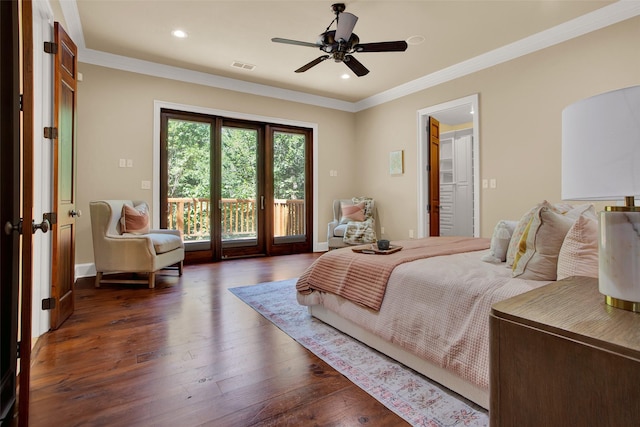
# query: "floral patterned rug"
402,390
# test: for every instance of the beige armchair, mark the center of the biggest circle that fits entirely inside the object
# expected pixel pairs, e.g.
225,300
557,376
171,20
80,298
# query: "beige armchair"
117,252
337,228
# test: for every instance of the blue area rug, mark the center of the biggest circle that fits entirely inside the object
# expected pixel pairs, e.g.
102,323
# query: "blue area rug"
407,393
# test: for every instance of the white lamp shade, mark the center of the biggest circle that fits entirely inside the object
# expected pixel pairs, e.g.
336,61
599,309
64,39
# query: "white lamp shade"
601,146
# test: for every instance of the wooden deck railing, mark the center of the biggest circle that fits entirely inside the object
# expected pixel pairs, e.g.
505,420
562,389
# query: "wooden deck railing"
192,217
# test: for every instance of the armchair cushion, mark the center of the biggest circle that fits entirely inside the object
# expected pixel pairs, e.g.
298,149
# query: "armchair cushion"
165,242
135,220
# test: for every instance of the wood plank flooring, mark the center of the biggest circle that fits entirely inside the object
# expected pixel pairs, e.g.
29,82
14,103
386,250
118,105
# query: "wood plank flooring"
189,353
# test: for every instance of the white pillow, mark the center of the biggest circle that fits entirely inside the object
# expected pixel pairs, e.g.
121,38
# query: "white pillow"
579,252
500,241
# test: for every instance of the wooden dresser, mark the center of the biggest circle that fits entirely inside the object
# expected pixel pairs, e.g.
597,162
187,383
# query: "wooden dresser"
561,357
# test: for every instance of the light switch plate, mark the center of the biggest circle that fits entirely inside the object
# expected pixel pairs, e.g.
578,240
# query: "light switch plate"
146,185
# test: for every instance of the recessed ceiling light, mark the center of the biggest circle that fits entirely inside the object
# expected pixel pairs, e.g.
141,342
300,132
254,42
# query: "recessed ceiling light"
413,40
345,76
179,34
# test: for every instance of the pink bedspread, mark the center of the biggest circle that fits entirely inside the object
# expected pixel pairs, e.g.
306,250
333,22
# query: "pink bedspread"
362,278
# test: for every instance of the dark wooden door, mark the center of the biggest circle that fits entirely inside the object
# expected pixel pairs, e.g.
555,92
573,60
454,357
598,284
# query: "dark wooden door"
10,205
64,177
434,177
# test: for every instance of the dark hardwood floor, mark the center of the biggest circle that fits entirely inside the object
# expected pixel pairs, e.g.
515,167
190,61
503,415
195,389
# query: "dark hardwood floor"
189,353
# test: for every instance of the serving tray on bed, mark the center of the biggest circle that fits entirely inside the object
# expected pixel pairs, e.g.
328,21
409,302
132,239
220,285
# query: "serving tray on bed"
372,250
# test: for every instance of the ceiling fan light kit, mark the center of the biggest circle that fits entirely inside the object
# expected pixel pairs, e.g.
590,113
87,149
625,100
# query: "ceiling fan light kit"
341,43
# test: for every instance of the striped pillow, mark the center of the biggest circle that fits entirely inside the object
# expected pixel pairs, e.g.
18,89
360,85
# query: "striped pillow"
135,220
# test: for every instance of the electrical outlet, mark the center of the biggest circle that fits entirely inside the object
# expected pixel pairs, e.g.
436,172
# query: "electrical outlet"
411,234
381,230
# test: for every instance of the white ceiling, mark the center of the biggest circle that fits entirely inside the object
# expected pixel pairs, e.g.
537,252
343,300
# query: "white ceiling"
460,36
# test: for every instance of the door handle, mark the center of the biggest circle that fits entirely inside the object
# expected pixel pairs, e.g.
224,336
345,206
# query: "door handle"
262,202
75,214
10,228
44,226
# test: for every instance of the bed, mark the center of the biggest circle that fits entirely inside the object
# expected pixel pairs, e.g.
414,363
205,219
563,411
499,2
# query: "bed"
434,314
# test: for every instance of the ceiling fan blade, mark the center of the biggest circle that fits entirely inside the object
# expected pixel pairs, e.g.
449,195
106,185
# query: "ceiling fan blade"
294,42
312,63
399,46
355,66
346,23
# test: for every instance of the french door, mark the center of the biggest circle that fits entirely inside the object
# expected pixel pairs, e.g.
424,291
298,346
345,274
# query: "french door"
235,188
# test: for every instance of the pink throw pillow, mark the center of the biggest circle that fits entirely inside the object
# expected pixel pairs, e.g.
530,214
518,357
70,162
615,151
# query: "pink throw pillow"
352,212
135,220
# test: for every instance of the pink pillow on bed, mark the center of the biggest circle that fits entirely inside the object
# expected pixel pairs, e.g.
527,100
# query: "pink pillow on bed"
352,212
579,252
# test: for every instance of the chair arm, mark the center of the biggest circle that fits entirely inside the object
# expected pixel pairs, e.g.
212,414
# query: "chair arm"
166,231
331,227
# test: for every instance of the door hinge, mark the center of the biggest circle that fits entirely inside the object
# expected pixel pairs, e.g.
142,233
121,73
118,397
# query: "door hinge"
428,168
20,102
428,208
48,303
50,133
52,217
50,47
18,349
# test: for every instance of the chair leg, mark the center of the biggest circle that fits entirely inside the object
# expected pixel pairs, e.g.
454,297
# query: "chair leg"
180,266
152,280
98,279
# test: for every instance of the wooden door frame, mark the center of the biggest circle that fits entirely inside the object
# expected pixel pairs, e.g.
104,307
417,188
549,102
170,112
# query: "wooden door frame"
28,103
423,160
163,110
159,105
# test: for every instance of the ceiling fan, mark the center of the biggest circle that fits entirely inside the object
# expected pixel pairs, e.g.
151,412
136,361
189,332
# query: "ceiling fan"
341,43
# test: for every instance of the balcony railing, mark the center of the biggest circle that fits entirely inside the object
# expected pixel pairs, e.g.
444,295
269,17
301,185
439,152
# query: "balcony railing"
239,217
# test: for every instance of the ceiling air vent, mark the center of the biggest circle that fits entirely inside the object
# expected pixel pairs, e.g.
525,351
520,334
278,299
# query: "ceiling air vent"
242,65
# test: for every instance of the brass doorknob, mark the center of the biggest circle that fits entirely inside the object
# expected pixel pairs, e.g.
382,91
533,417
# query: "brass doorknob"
75,214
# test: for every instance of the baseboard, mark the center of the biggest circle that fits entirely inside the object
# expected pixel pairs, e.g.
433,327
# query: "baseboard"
89,269
321,247
85,270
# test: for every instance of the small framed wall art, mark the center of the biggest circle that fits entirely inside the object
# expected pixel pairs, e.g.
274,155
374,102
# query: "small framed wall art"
396,162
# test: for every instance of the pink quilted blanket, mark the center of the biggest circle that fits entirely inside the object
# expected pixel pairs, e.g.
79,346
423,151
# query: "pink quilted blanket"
362,278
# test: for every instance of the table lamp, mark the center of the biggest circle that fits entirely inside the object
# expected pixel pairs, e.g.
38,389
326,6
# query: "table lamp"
601,161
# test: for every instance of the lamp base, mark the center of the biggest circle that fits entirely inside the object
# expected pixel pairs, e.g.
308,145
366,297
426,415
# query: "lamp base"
625,305
619,252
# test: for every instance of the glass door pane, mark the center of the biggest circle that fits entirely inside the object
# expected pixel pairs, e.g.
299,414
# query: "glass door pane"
289,183
239,187
189,182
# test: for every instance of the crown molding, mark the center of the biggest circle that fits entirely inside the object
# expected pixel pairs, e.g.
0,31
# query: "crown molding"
600,18
124,63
